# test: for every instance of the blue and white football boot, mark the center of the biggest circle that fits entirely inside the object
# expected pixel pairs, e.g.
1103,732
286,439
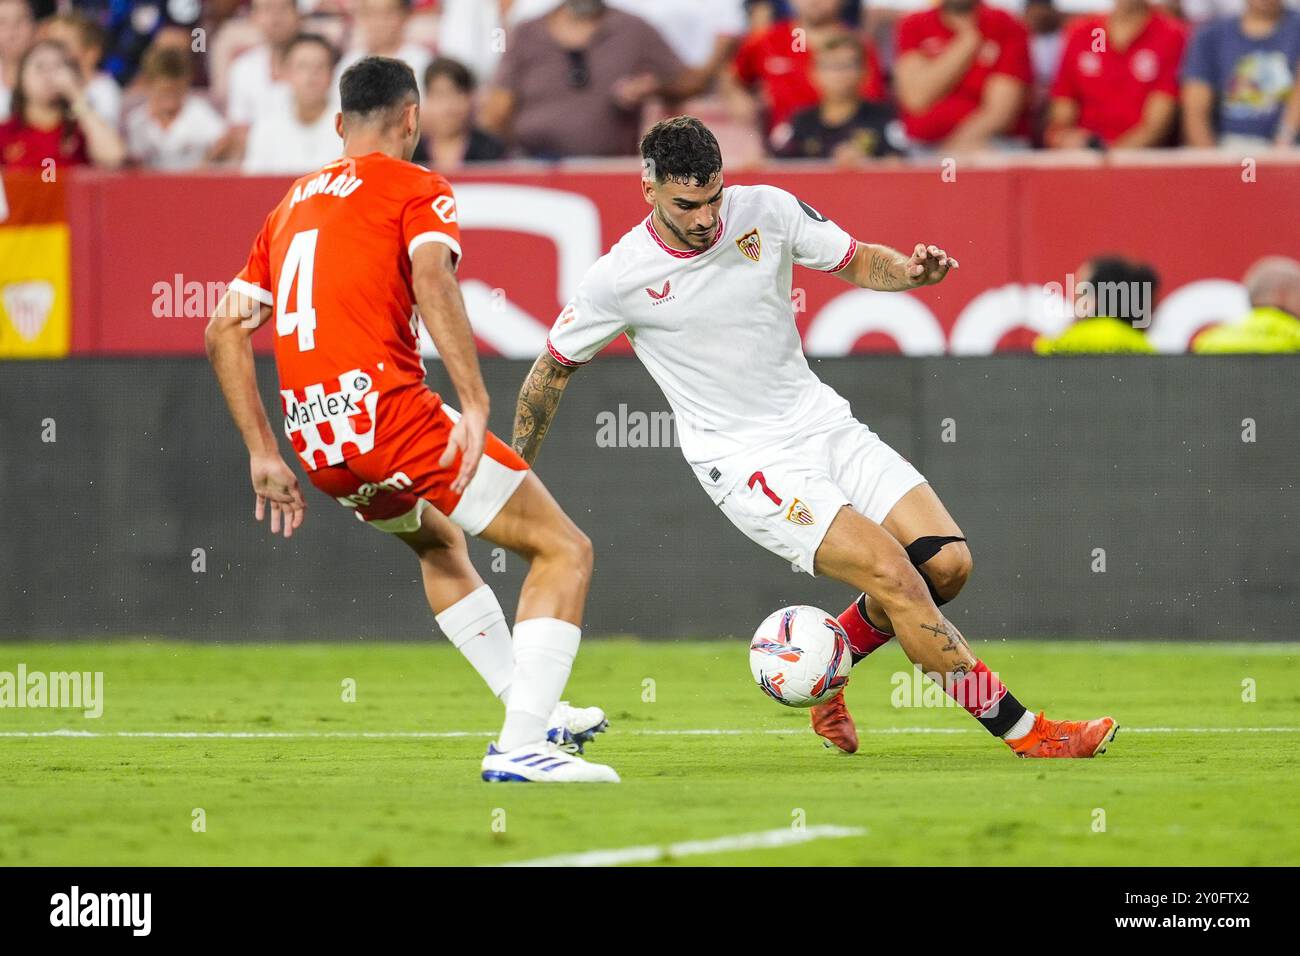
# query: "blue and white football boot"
542,763
571,728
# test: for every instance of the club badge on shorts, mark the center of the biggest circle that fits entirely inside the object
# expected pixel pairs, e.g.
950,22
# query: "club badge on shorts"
751,244
799,513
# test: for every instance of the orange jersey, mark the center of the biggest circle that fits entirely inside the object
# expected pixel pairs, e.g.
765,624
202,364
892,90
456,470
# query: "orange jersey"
334,261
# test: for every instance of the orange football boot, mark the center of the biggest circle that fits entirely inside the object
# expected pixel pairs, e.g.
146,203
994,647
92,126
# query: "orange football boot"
1066,738
833,723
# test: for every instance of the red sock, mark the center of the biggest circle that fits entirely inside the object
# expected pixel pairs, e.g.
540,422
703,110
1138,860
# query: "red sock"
864,637
979,691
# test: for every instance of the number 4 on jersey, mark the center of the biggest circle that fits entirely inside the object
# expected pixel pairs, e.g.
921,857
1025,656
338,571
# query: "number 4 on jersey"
299,262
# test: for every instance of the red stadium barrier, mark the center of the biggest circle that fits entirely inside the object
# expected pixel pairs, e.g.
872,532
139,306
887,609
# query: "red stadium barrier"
150,252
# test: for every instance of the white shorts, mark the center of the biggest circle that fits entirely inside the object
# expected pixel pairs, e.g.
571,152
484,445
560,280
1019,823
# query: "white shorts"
786,498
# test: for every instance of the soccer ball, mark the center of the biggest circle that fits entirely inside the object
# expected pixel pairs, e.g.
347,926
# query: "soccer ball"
800,656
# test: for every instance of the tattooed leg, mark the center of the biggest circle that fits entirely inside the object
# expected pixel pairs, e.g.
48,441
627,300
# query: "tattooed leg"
865,556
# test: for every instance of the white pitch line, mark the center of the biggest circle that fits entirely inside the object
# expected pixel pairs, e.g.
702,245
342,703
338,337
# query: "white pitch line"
762,840
637,732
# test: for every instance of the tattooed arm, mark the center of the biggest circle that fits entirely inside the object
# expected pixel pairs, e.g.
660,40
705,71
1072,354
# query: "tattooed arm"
887,270
539,397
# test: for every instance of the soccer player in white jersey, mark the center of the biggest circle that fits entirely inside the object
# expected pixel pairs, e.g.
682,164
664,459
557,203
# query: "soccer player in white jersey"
701,289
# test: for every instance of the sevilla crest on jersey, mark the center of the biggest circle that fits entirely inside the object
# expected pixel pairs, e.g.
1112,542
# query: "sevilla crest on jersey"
751,244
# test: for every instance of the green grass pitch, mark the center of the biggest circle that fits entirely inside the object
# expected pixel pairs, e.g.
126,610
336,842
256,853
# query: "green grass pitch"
928,787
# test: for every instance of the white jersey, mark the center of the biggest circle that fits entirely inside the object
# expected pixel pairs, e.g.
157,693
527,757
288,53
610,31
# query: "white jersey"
716,328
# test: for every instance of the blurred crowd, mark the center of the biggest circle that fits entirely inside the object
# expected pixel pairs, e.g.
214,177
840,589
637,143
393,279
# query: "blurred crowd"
181,85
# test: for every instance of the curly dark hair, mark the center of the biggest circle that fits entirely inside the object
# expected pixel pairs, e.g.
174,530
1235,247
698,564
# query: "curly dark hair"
682,149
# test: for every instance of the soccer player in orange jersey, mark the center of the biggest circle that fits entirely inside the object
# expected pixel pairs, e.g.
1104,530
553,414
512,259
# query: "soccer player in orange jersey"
341,264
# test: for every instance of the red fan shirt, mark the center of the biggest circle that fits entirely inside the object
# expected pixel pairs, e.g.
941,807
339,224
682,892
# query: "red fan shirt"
1111,85
1005,50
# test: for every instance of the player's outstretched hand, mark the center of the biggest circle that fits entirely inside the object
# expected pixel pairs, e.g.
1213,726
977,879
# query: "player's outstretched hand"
466,440
275,482
928,265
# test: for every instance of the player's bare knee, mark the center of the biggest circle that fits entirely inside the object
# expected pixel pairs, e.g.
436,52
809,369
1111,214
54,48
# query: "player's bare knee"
581,551
949,570
568,545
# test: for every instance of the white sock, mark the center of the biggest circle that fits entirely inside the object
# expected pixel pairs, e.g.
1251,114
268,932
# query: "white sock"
544,653
1021,727
476,626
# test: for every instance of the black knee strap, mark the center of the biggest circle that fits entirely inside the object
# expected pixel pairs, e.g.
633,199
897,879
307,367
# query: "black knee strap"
922,550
